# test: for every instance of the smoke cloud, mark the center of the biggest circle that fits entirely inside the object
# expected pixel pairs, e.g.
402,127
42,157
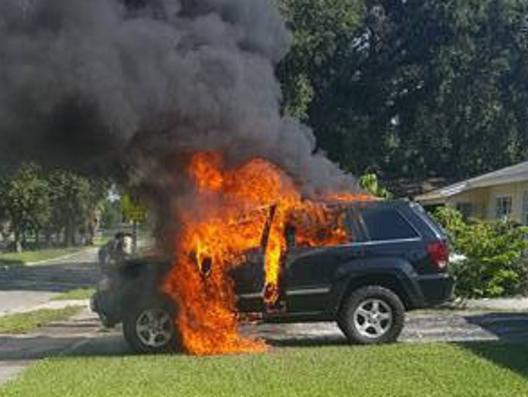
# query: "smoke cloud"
92,84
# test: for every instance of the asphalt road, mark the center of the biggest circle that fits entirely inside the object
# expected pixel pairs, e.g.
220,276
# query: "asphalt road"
23,287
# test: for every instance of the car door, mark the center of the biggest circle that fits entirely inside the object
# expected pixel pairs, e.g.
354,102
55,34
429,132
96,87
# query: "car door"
310,271
249,278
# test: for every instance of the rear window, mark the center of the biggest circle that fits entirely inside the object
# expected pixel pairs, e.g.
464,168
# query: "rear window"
387,224
426,217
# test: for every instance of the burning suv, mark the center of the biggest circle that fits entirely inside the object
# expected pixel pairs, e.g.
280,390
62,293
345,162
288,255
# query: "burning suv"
391,258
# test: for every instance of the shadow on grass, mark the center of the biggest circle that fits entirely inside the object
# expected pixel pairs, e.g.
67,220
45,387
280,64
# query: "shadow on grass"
504,325
509,355
505,353
313,341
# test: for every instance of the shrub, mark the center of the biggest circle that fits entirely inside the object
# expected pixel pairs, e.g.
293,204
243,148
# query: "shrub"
371,184
495,263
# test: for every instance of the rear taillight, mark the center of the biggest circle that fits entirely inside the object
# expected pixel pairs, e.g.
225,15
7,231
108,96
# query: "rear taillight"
439,254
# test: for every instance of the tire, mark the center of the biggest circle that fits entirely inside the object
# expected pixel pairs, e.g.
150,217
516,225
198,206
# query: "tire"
150,329
372,315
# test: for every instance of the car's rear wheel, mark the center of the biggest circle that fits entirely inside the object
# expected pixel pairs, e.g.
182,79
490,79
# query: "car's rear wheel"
150,327
372,315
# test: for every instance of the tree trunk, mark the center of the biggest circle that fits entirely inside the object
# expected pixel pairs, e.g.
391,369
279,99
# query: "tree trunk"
134,237
65,236
69,238
37,238
47,237
17,244
91,234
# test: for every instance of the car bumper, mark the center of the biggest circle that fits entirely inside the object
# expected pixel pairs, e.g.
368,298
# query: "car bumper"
99,303
93,304
436,289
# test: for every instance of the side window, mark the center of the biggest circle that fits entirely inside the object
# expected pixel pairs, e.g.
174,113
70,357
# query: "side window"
387,224
317,226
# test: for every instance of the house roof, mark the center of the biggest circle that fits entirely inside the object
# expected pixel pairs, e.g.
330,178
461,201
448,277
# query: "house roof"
410,188
516,173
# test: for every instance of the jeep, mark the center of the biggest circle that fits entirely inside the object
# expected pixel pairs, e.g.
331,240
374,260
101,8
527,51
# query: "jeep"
395,260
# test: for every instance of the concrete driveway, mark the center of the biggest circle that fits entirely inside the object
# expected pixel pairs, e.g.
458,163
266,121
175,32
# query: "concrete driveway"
440,326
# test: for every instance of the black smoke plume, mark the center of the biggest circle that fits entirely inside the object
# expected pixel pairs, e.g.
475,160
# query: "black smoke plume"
102,84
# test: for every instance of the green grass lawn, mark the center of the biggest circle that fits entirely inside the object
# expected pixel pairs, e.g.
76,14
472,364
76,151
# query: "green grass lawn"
400,370
21,323
76,294
13,258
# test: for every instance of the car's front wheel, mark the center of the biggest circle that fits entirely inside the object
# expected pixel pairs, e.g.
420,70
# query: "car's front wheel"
150,327
372,315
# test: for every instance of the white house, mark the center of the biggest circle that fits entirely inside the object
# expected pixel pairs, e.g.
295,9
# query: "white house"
499,194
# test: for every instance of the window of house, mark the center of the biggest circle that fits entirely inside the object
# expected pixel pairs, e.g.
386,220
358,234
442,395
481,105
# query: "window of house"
504,207
466,209
525,208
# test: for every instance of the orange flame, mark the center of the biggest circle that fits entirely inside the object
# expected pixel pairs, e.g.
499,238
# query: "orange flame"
220,229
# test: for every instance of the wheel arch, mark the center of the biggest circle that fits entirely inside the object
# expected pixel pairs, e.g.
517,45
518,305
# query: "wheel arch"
133,298
155,300
385,280
393,273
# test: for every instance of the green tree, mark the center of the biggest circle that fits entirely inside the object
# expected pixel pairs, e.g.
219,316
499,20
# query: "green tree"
25,197
371,184
71,197
321,29
135,211
412,88
5,224
111,214
97,199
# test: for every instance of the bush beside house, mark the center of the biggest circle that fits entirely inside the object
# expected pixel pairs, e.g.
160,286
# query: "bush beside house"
495,260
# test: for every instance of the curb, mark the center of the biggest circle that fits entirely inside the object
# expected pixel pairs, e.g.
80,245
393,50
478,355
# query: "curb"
518,304
506,304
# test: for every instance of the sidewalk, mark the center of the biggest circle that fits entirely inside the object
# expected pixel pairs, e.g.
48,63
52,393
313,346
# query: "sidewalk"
80,335
20,301
503,304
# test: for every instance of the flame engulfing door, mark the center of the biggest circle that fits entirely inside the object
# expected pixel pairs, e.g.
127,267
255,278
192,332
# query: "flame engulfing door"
249,278
318,240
